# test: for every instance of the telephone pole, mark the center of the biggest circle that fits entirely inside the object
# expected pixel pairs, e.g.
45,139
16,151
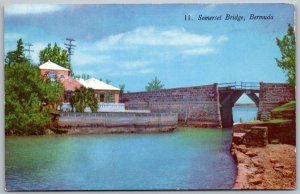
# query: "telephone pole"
70,47
29,50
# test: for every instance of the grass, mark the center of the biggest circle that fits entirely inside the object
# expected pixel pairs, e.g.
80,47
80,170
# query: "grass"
290,106
285,107
253,121
273,121
277,121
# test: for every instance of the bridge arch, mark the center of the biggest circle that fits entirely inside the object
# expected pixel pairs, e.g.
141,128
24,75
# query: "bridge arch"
229,93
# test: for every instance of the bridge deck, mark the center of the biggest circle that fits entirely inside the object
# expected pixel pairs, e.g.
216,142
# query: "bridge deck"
243,86
238,89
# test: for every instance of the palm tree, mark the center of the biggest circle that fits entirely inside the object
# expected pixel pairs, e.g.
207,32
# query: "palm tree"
83,98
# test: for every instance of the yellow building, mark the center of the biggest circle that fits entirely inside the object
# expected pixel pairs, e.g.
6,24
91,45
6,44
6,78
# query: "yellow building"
104,92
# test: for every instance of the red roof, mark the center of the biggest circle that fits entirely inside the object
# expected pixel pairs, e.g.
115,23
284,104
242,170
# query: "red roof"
71,84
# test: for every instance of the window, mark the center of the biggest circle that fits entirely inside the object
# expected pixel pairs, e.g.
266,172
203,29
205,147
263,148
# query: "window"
61,77
97,96
111,97
67,96
101,97
52,75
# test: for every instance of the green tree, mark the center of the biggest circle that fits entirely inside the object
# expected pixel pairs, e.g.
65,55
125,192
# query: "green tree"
155,84
122,88
28,96
82,98
16,56
287,62
106,80
85,76
55,54
28,99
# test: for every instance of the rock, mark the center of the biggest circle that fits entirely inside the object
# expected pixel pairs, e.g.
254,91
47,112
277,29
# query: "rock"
278,165
49,132
242,148
273,160
287,173
288,167
277,169
275,141
260,188
241,158
255,181
257,163
251,153
260,170
237,138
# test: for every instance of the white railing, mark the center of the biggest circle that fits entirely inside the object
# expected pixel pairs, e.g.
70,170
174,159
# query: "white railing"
65,107
102,107
111,107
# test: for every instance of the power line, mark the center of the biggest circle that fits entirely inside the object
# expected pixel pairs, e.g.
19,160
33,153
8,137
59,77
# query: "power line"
70,47
28,49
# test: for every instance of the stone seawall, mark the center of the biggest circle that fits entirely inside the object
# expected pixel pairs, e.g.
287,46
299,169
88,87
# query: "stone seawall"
284,133
117,122
196,106
272,95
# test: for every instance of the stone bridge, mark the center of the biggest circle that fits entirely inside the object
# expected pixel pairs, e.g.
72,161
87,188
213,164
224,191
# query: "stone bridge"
210,105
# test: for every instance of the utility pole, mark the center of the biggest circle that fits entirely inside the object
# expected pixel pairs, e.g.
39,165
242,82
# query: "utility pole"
29,50
70,47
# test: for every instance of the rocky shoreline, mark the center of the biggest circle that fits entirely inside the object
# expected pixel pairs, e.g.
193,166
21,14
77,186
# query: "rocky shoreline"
265,155
269,167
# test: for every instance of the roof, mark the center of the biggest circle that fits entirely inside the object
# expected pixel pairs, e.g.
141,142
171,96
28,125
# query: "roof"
52,66
71,84
96,84
83,82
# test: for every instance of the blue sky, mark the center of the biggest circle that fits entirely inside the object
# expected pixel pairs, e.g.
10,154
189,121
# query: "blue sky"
131,44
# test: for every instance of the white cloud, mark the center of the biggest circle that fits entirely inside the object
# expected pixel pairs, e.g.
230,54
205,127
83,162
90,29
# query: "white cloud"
21,9
222,39
121,73
151,36
127,68
147,71
138,52
134,64
83,58
198,51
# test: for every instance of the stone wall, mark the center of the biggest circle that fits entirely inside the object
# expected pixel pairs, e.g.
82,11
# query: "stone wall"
196,106
250,135
272,95
116,122
284,132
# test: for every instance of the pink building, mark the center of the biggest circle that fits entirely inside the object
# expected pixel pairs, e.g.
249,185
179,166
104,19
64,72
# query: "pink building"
105,93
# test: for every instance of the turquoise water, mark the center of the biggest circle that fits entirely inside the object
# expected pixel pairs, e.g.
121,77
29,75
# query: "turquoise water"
185,159
244,113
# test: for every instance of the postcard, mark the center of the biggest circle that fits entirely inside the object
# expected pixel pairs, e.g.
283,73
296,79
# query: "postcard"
149,97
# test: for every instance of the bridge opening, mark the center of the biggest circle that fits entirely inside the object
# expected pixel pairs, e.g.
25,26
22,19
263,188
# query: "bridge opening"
244,109
230,93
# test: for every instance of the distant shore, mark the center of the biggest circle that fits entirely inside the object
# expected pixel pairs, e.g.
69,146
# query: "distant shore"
245,105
